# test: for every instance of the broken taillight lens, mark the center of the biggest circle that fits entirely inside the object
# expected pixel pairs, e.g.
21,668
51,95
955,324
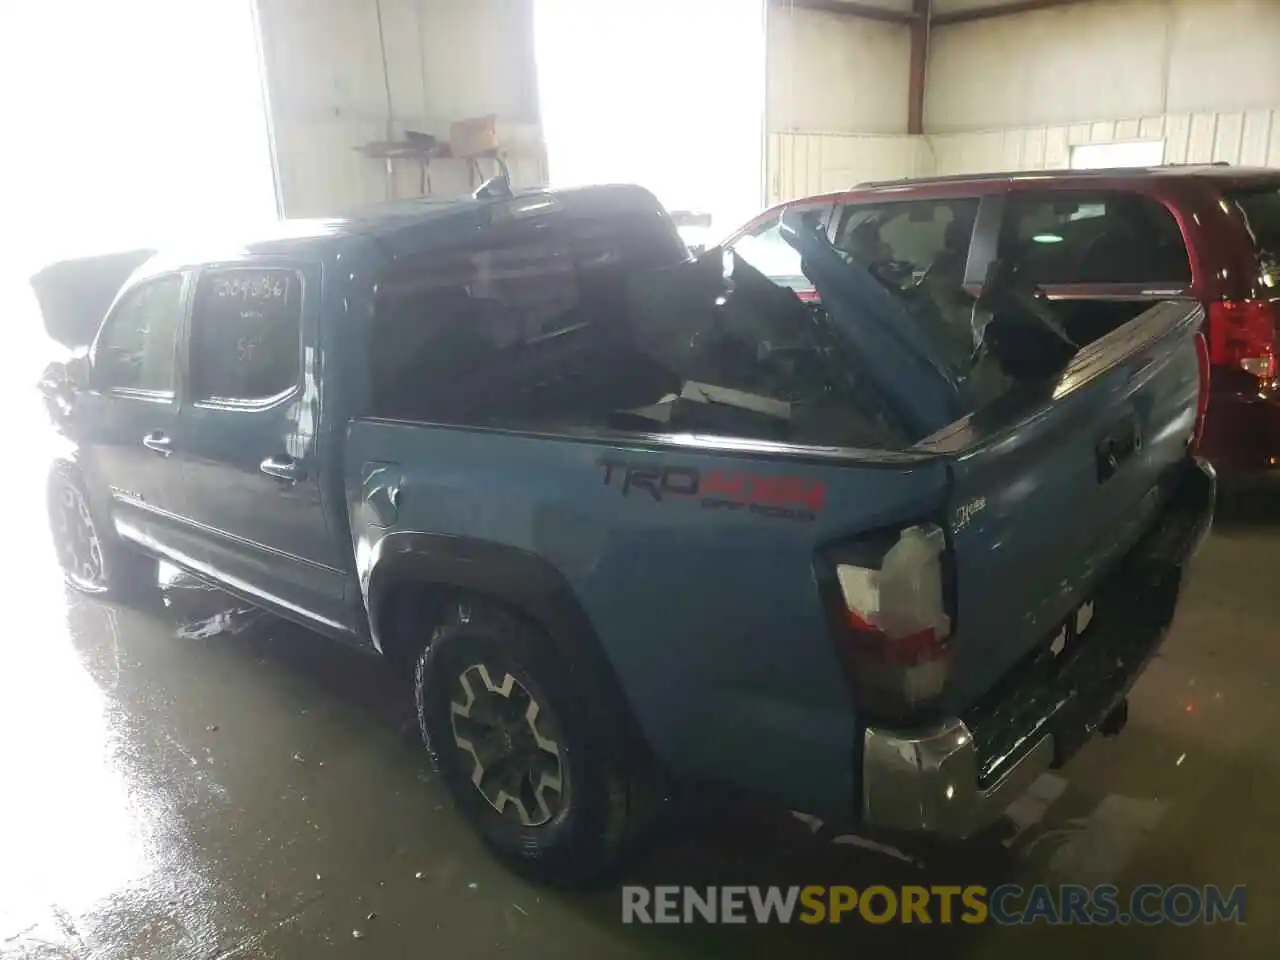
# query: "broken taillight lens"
895,639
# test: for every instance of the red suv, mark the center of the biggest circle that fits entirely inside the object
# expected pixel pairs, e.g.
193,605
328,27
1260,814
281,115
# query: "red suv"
1102,245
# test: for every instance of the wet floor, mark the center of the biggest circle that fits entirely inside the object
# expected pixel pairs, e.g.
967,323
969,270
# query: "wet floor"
196,782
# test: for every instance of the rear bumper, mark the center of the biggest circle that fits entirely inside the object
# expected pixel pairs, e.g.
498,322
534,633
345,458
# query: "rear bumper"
928,782
955,778
1242,436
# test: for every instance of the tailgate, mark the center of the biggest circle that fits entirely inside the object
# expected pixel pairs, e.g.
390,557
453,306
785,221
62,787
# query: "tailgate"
1050,489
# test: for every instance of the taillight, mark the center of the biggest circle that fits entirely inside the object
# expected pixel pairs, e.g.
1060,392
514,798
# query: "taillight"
895,638
1242,334
1202,399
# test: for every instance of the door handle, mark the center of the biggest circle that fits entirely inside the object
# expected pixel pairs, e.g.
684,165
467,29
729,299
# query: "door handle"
286,469
158,442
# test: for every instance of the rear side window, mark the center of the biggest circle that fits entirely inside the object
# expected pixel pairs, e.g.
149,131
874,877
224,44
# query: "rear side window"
1101,238
246,330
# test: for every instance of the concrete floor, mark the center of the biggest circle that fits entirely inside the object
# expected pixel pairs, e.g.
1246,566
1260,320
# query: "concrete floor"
185,785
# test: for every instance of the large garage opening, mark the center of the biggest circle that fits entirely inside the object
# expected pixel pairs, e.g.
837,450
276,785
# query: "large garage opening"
130,135
674,99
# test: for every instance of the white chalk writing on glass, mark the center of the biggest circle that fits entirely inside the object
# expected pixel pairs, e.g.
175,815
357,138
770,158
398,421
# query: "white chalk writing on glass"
252,286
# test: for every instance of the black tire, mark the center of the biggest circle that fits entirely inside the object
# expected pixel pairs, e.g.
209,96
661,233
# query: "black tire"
93,559
594,814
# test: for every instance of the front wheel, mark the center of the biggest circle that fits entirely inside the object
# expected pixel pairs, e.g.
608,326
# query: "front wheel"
94,560
517,748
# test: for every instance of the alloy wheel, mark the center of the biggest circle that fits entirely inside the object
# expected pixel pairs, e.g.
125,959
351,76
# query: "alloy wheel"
512,744
76,538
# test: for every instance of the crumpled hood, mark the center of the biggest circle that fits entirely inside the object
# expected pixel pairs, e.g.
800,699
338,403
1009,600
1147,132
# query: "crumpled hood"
74,294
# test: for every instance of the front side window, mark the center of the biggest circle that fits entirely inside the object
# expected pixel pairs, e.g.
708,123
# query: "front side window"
1103,238
136,350
246,330
766,250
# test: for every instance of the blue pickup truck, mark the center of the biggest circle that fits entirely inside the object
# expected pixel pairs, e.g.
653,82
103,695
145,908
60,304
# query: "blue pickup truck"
631,515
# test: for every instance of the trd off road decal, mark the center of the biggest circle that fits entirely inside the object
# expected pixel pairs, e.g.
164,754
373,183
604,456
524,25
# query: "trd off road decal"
787,498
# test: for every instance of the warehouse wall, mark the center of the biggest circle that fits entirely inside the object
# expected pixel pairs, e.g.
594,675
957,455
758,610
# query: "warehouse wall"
1020,91
1246,137
804,164
832,73
836,100
329,92
1108,59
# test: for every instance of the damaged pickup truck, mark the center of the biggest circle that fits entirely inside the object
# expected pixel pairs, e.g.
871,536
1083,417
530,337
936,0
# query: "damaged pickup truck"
630,515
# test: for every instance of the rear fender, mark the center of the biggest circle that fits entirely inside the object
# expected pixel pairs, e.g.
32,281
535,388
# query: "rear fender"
514,577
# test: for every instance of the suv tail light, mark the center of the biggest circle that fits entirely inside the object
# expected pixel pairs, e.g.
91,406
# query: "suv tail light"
1242,334
1202,399
895,636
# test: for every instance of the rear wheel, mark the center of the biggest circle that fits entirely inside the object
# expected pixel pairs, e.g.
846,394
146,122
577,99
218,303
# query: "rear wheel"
94,560
521,750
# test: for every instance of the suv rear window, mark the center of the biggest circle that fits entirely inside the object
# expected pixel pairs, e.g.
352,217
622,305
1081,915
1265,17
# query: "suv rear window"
1066,238
1261,209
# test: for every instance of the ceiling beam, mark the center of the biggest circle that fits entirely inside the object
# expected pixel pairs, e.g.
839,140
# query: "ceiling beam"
850,9
999,10
919,63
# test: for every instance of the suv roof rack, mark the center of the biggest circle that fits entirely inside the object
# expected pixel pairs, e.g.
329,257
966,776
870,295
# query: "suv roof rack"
1010,174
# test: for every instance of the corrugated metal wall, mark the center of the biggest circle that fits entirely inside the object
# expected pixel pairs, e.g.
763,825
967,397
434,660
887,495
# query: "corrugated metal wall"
1247,137
1018,92
802,164
836,101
